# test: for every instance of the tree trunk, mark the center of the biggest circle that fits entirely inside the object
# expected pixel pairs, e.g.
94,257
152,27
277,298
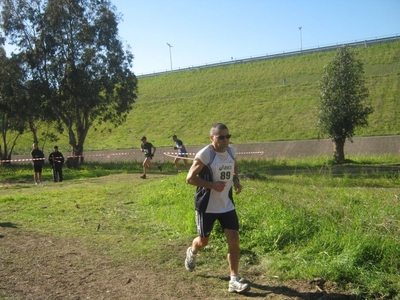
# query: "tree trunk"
76,159
77,146
338,149
33,128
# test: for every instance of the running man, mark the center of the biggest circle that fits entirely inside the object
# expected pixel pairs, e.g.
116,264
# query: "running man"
182,152
149,151
215,173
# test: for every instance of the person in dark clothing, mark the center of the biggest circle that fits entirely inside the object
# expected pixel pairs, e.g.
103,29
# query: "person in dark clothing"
149,150
38,161
56,160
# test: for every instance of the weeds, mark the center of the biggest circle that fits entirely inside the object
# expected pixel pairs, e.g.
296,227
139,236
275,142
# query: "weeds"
301,225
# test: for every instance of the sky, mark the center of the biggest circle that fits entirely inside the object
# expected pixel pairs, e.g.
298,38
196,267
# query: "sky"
211,31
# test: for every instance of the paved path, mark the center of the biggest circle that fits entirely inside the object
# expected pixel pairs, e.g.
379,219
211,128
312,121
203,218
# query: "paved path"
360,146
379,145
272,150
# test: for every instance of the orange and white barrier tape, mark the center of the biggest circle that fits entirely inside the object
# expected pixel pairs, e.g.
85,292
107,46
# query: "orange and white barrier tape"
108,155
175,154
101,155
250,153
21,159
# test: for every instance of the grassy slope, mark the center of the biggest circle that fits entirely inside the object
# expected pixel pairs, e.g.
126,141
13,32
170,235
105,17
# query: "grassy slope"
251,99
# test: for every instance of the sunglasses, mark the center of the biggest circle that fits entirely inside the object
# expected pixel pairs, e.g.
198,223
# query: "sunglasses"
222,137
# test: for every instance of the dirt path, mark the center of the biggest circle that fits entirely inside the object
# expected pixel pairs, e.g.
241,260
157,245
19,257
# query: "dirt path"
41,267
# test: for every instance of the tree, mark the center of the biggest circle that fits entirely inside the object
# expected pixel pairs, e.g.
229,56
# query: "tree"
14,109
77,68
342,106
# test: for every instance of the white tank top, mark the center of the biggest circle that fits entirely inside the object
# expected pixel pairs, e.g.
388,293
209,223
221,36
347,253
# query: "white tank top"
222,168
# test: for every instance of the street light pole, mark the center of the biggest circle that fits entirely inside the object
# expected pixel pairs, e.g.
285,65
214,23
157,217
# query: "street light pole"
170,57
301,39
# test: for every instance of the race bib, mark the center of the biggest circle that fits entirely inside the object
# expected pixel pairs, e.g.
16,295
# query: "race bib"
224,172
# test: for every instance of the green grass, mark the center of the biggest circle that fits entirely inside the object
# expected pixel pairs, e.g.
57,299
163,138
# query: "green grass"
250,98
302,221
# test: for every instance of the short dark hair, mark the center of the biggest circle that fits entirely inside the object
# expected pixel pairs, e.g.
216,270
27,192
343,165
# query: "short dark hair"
217,127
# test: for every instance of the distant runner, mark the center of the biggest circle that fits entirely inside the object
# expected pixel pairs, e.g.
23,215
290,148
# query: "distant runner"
181,153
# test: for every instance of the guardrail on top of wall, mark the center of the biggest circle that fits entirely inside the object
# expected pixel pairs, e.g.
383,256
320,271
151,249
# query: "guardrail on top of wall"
364,43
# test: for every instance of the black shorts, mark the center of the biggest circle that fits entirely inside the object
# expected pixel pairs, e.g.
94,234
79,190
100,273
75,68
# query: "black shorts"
37,168
205,222
182,155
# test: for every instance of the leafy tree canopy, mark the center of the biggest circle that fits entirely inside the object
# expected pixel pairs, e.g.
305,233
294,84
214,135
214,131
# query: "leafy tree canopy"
77,68
14,108
342,99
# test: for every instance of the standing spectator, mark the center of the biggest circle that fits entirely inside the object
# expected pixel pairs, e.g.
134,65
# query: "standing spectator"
215,173
56,160
182,152
38,161
149,151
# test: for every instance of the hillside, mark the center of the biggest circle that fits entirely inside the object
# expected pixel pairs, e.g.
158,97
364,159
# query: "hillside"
260,101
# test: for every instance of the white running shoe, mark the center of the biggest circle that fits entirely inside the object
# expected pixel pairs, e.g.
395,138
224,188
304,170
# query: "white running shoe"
238,287
190,261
